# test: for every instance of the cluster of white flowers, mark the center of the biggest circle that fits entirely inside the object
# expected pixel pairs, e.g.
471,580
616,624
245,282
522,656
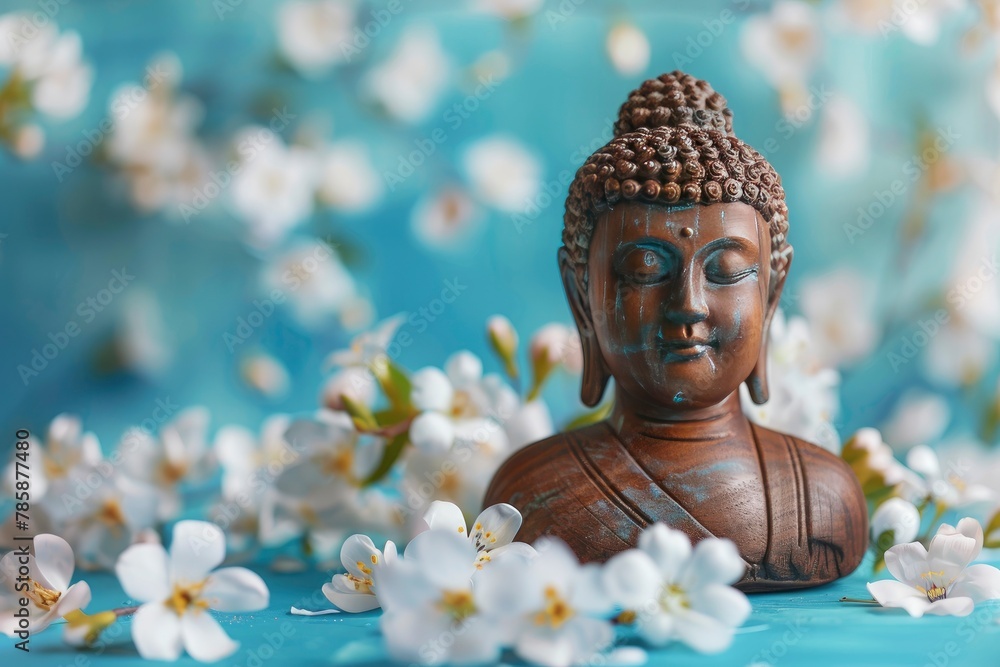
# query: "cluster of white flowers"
804,398
46,74
175,590
920,492
275,186
462,595
152,143
101,504
362,465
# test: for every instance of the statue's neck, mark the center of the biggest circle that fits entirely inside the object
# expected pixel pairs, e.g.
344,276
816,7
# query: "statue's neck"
722,422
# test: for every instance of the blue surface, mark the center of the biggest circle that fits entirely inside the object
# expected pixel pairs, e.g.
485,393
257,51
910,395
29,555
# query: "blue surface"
808,627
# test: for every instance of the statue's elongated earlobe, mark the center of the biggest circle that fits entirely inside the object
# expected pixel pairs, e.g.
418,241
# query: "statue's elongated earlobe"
595,374
757,380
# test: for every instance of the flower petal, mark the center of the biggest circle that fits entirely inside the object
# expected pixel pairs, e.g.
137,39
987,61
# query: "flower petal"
360,556
76,597
906,562
713,561
346,598
442,515
723,603
204,639
197,548
432,390
496,526
631,578
702,633
432,433
656,628
951,607
556,564
402,586
235,589
589,596
895,594
668,548
54,559
446,558
156,631
463,369
142,572
924,460
951,553
413,636
514,551
968,527
552,649
979,582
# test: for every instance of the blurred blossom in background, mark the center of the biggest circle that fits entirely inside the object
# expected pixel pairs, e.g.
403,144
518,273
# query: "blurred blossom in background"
205,202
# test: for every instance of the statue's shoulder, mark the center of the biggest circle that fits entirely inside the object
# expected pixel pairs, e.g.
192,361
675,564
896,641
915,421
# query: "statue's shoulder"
559,445
543,461
817,464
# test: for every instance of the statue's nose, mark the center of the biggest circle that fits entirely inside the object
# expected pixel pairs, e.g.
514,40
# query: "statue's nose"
686,301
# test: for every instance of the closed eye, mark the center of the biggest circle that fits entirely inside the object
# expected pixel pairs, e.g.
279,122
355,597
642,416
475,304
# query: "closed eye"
728,266
644,263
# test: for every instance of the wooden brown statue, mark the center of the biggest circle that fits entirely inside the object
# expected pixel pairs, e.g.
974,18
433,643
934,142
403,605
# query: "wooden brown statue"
674,258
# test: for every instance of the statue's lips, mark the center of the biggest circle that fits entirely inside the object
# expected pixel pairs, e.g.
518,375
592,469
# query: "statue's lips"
685,349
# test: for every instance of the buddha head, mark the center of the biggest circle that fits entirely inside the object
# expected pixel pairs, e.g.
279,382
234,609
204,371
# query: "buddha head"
674,252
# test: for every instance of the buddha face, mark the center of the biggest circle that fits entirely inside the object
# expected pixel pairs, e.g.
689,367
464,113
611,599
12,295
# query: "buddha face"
678,300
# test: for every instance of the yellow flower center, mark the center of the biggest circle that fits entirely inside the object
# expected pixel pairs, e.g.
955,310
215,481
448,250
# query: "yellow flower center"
557,611
43,597
360,585
936,590
462,405
171,473
340,463
673,598
186,597
457,604
111,513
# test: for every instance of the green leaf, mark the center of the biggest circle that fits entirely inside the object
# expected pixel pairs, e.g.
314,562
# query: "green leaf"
992,532
360,413
390,455
396,385
592,417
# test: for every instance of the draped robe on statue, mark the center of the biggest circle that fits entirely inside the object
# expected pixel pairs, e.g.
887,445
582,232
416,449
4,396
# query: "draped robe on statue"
787,504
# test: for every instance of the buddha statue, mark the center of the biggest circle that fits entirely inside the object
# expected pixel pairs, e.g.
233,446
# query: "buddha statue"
673,260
